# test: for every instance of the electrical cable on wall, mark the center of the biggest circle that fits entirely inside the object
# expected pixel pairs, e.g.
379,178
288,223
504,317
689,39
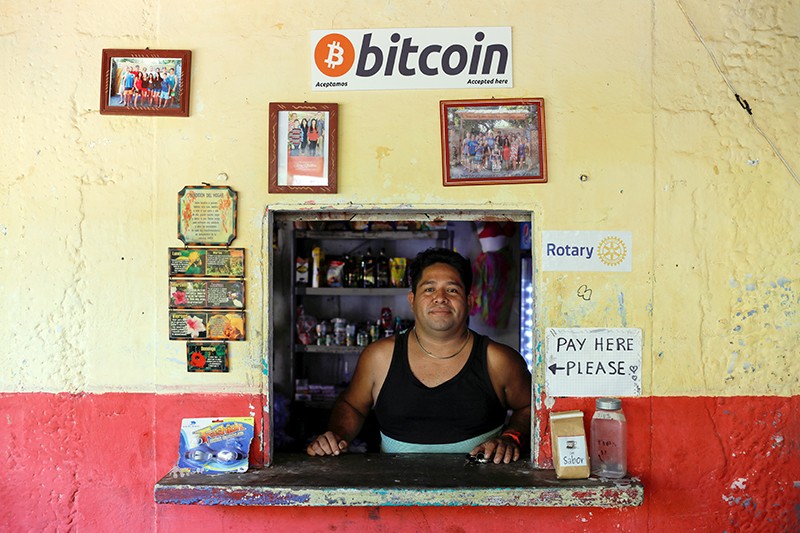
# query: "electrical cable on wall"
742,102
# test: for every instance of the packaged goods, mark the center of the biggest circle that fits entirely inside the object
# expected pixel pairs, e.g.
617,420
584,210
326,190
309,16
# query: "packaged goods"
301,271
306,327
408,225
215,445
568,439
335,276
397,271
381,225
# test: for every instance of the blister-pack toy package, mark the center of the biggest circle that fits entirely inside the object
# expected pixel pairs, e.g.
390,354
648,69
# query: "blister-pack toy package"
215,445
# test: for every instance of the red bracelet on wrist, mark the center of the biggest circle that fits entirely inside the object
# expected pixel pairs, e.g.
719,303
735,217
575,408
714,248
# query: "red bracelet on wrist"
514,435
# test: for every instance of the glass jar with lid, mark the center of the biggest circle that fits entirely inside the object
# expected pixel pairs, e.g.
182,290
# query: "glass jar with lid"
609,439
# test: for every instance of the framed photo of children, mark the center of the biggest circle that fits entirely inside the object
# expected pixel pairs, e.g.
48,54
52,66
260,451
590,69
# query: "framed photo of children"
302,147
491,142
145,82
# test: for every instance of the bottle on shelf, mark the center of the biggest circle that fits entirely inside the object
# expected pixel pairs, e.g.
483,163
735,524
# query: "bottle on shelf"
368,270
382,270
374,331
316,270
348,265
353,272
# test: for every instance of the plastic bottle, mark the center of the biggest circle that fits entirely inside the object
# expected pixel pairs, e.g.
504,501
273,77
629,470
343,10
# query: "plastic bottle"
609,438
316,270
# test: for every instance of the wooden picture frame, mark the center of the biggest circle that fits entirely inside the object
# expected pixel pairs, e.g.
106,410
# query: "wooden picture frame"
493,142
128,78
298,163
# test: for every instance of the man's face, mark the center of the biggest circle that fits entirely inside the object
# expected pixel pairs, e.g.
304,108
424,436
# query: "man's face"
440,302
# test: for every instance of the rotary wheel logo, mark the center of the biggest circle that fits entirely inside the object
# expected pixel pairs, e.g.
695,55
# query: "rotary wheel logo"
611,251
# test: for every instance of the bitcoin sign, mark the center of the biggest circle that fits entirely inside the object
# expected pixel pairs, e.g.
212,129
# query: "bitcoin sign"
334,55
411,58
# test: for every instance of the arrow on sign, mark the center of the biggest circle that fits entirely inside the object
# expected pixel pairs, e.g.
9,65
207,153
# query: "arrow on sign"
554,367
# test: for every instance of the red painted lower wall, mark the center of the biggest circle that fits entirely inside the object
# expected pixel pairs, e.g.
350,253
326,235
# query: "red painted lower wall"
89,463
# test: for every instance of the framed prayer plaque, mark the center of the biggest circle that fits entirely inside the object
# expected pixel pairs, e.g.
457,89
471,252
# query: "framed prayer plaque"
207,215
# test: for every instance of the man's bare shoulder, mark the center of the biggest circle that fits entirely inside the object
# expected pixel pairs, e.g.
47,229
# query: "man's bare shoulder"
377,355
509,373
505,362
500,353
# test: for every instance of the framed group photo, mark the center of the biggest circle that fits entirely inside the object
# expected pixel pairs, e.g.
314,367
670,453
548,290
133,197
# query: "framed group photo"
491,142
302,147
145,82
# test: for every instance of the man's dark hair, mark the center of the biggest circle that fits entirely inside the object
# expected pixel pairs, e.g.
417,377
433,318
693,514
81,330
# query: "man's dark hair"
431,256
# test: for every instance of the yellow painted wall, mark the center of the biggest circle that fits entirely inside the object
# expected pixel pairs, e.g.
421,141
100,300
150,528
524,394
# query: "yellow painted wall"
88,203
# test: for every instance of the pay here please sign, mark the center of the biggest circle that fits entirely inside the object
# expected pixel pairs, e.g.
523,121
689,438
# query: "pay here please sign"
593,362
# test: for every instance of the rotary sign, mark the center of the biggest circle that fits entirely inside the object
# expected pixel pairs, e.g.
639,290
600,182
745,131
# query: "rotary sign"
587,251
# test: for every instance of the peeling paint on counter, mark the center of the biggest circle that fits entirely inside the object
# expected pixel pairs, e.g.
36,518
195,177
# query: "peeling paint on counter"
396,480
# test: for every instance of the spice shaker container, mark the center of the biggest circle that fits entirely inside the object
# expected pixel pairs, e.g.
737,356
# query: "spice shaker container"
609,439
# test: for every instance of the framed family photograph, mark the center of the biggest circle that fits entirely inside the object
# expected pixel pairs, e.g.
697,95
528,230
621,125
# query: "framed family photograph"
491,142
302,147
145,82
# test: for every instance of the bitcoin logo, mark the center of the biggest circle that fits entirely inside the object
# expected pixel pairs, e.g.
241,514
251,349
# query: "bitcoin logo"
611,251
334,55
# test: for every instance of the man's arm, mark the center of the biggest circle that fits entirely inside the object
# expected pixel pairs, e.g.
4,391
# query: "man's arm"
512,382
345,423
352,406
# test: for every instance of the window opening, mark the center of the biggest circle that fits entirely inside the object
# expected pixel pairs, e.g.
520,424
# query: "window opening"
305,375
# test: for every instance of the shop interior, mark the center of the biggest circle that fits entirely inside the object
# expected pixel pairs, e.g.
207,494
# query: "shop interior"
338,283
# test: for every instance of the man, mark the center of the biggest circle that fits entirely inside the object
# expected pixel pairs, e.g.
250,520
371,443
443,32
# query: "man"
439,387
128,81
295,135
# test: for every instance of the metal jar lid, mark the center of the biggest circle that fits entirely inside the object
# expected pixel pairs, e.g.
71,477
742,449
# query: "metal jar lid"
608,404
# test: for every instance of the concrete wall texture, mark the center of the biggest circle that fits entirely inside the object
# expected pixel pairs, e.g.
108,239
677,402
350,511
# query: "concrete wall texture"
92,391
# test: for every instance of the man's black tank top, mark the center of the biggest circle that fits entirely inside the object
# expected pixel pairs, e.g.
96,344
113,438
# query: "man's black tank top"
461,408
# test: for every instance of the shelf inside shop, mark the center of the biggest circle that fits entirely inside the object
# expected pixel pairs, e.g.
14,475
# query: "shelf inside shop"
372,235
321,348
350,291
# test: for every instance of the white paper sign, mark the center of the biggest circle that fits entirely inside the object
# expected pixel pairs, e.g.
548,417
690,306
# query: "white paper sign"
587,251
593,362
411,58
572,451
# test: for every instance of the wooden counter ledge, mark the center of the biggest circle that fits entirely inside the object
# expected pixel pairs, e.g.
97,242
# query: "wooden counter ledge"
395,480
